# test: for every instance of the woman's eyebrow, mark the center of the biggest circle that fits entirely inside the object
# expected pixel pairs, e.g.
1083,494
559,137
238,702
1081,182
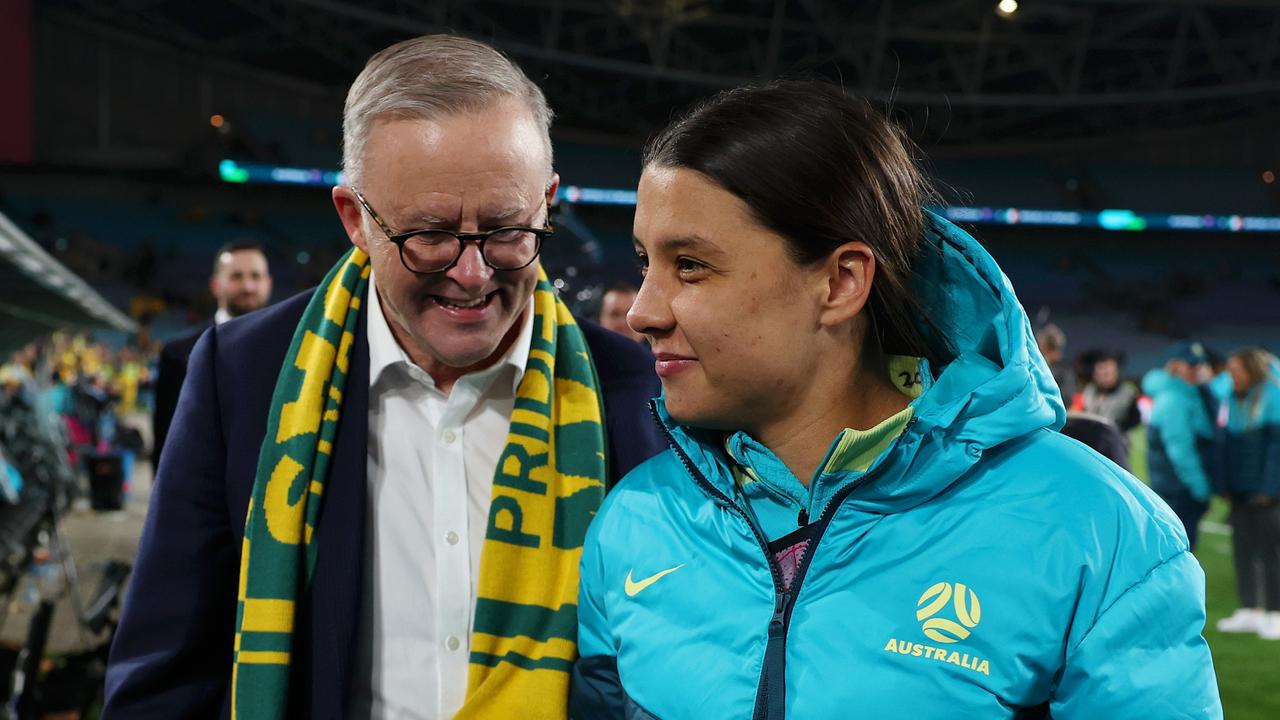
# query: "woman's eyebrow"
680,242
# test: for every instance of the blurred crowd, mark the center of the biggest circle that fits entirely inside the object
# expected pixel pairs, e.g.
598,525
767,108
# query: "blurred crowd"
1212,428
83,388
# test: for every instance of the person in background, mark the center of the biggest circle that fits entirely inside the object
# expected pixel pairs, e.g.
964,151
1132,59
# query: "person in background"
1100,434
1107,395
866,508
1250,479
614,306
1052,342
240,283
1180,435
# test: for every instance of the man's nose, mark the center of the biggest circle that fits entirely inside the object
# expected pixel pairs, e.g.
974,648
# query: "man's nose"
471,271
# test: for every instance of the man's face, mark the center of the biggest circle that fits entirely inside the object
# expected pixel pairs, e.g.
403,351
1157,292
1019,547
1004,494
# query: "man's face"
613,312
467,173
1182,370
241,282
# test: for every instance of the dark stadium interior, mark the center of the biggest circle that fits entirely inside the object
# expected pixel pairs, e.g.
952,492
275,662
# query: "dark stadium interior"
116,115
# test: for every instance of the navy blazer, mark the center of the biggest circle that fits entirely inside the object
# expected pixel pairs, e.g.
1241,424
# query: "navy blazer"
172,371
172,653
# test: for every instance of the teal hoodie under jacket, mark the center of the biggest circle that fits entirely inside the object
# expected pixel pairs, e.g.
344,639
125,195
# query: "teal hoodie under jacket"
984,566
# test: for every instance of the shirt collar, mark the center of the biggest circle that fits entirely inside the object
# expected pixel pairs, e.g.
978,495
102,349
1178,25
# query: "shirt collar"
221,316
385,352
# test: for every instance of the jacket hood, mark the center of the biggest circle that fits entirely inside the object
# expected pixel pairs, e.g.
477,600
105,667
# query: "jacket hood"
990,384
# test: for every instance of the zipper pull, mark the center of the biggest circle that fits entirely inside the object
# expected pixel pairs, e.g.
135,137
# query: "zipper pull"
778,620
803,519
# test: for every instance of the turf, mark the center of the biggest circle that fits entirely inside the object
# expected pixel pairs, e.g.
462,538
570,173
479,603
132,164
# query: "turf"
1248,667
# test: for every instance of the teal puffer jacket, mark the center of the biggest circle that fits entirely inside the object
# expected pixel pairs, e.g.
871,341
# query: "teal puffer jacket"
984,566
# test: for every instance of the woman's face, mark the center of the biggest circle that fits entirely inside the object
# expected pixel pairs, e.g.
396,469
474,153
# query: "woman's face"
733,321
1240,379
1106,373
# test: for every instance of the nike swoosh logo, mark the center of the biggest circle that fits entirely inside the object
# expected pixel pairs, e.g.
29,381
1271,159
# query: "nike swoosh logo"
633,588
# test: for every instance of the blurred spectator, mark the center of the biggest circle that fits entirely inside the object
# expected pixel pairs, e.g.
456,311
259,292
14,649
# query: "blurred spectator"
614,307
1053,346
1180,436
1106,395
241,283
1099,433
1250,479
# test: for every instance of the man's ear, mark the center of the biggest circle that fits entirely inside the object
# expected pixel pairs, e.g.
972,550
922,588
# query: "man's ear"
849,271
351,214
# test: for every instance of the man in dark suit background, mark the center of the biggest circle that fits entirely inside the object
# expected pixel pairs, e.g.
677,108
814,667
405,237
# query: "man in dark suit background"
240,283
440,134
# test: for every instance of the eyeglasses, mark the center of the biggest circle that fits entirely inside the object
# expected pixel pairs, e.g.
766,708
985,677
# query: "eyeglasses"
433,251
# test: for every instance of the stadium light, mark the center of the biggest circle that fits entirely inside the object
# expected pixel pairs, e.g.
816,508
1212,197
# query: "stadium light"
1268,177
1007,7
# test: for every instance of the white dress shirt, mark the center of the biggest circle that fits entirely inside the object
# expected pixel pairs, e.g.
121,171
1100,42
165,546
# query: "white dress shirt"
430,473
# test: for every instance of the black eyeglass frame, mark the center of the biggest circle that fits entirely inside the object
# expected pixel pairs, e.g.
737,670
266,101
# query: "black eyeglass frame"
479,238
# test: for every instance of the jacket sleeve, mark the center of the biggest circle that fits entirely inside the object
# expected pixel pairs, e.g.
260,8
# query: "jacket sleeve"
1181,441
171,656
595,689
1144,656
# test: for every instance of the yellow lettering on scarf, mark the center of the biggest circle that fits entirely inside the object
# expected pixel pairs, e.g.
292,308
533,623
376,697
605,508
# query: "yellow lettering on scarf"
543,304
344,350
337,298
284,519
563,316
576,403
244,558
302,416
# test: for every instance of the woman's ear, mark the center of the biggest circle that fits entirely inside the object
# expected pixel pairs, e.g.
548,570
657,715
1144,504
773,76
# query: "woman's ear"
849,271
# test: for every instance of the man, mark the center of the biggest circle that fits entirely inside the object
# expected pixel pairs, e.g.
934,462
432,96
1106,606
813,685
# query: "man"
1180,436
615,304
240,283
462,408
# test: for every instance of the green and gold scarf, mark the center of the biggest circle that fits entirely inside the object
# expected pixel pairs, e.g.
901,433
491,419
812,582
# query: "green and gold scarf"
548,485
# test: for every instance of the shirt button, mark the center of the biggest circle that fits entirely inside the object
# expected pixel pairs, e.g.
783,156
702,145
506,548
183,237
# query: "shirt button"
453,643
451,537
449,437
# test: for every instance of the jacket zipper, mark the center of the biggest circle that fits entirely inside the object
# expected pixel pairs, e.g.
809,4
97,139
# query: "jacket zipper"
774,654
772,685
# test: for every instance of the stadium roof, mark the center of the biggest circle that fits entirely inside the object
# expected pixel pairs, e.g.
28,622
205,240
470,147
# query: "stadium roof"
956,72
41,295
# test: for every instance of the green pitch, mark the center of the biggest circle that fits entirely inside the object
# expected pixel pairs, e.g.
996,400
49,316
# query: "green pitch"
1248,667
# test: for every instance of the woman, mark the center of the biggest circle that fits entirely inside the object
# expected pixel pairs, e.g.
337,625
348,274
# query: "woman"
1108,395
1251,480
866,509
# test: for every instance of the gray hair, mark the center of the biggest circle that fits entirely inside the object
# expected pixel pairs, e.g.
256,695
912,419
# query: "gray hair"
431,77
